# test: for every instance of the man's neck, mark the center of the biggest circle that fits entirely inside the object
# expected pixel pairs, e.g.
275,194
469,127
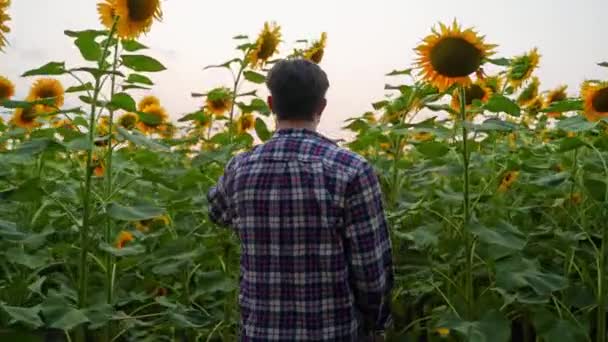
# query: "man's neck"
297,124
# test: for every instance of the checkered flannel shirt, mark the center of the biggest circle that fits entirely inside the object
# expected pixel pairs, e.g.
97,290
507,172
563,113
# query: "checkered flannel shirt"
316,256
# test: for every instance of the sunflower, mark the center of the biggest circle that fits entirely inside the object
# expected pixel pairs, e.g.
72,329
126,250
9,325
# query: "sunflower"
576,198
7,89
99,168
495,83
167,131
205,121
535,106
508,179
47,88
123,237
219,101
153,223
266,45
157,115
4,18
423,136
244,123
476,91
135,16
556,95
529,94
370,118
449,56
128,121
522,67
317,50
595,99
147,101
63,123
26,117
443,332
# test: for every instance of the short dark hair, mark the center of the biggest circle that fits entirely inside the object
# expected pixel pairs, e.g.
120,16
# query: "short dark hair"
298,88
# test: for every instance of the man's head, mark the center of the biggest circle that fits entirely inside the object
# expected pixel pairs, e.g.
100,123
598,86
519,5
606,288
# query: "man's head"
297,90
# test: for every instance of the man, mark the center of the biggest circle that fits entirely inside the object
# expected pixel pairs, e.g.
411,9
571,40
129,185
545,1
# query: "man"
316,256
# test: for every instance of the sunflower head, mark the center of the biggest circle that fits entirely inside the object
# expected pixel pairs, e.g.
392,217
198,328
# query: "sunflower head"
535,105
595,100
7,89
477,91
63,123
27,117
443,332
98,166
153,223
266,45
507,180
370,118
522,67
244,123
219,101
423,136
123,238
529,94
495,83
47,88
157,117
135,16
128,121
4,18
317,49
167,130
147,101
556,95
450,55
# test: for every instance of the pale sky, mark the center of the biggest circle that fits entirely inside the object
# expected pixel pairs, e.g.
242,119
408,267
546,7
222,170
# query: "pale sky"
367,39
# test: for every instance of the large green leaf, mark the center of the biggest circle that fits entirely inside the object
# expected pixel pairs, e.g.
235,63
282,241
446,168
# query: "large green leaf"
137,78
433,149
27,316
85,41
575,124
502,234
123,101
254,77
501,104
141,140
564,106
134,213
142,63
261,130
60,315
516,272
132,45
596,186
128,250
51,68
496,125
493,327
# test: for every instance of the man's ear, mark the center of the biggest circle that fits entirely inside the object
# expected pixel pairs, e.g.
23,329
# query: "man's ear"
269,99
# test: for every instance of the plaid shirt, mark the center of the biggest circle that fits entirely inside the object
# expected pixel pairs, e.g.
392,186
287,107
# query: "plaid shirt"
316,255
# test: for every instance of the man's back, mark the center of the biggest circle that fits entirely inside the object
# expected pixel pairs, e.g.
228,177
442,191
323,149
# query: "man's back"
315,260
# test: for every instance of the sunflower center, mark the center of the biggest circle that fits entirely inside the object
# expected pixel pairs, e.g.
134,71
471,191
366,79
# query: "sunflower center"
140,10
5,92
267,47
455,57
472,93
600,100
47,93
29,114
557,97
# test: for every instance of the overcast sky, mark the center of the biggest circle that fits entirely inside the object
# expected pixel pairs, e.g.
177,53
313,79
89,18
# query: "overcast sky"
366,40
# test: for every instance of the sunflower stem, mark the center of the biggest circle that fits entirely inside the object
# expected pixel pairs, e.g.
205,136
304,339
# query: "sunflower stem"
468,239
234,95
84,229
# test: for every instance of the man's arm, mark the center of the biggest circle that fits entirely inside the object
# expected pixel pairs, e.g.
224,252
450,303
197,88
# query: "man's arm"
368,249
221,210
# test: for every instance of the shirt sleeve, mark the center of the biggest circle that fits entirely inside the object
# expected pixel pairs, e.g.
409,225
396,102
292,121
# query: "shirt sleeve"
368,249
221,210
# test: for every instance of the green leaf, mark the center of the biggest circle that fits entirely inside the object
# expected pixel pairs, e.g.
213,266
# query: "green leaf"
603,64
496,125
142,63
79,144
85,87
552,180
96,72
575,124
123,101
380,104
596,186
240,37
501,104
493,327
256,105
254,77
8,231
400,72
134,86
24,104
60,315
52,68
132,45
500,61
128,250
85,41
503,235
27,316
569,144
214,281
141,140
261,130
517,272
223,65
134,213
433,149
564,106
137,78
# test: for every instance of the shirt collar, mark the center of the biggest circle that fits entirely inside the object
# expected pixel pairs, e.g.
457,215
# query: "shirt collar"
302,133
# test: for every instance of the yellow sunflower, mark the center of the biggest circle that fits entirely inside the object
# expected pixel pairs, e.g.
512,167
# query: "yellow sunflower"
317,50
135,16
7,88
63,123
449,56
103,126
595,98
99,168
151,224
46,88
476,91
4,18
556,95
266,45
244,123
423,136
26,117
219,101
370,118
522,67
128,121
507,180
158,116
167,130
122,239
495,83
147,101
529,94
535,106
443,332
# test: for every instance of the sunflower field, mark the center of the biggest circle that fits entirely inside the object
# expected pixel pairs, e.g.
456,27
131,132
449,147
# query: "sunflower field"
496,192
